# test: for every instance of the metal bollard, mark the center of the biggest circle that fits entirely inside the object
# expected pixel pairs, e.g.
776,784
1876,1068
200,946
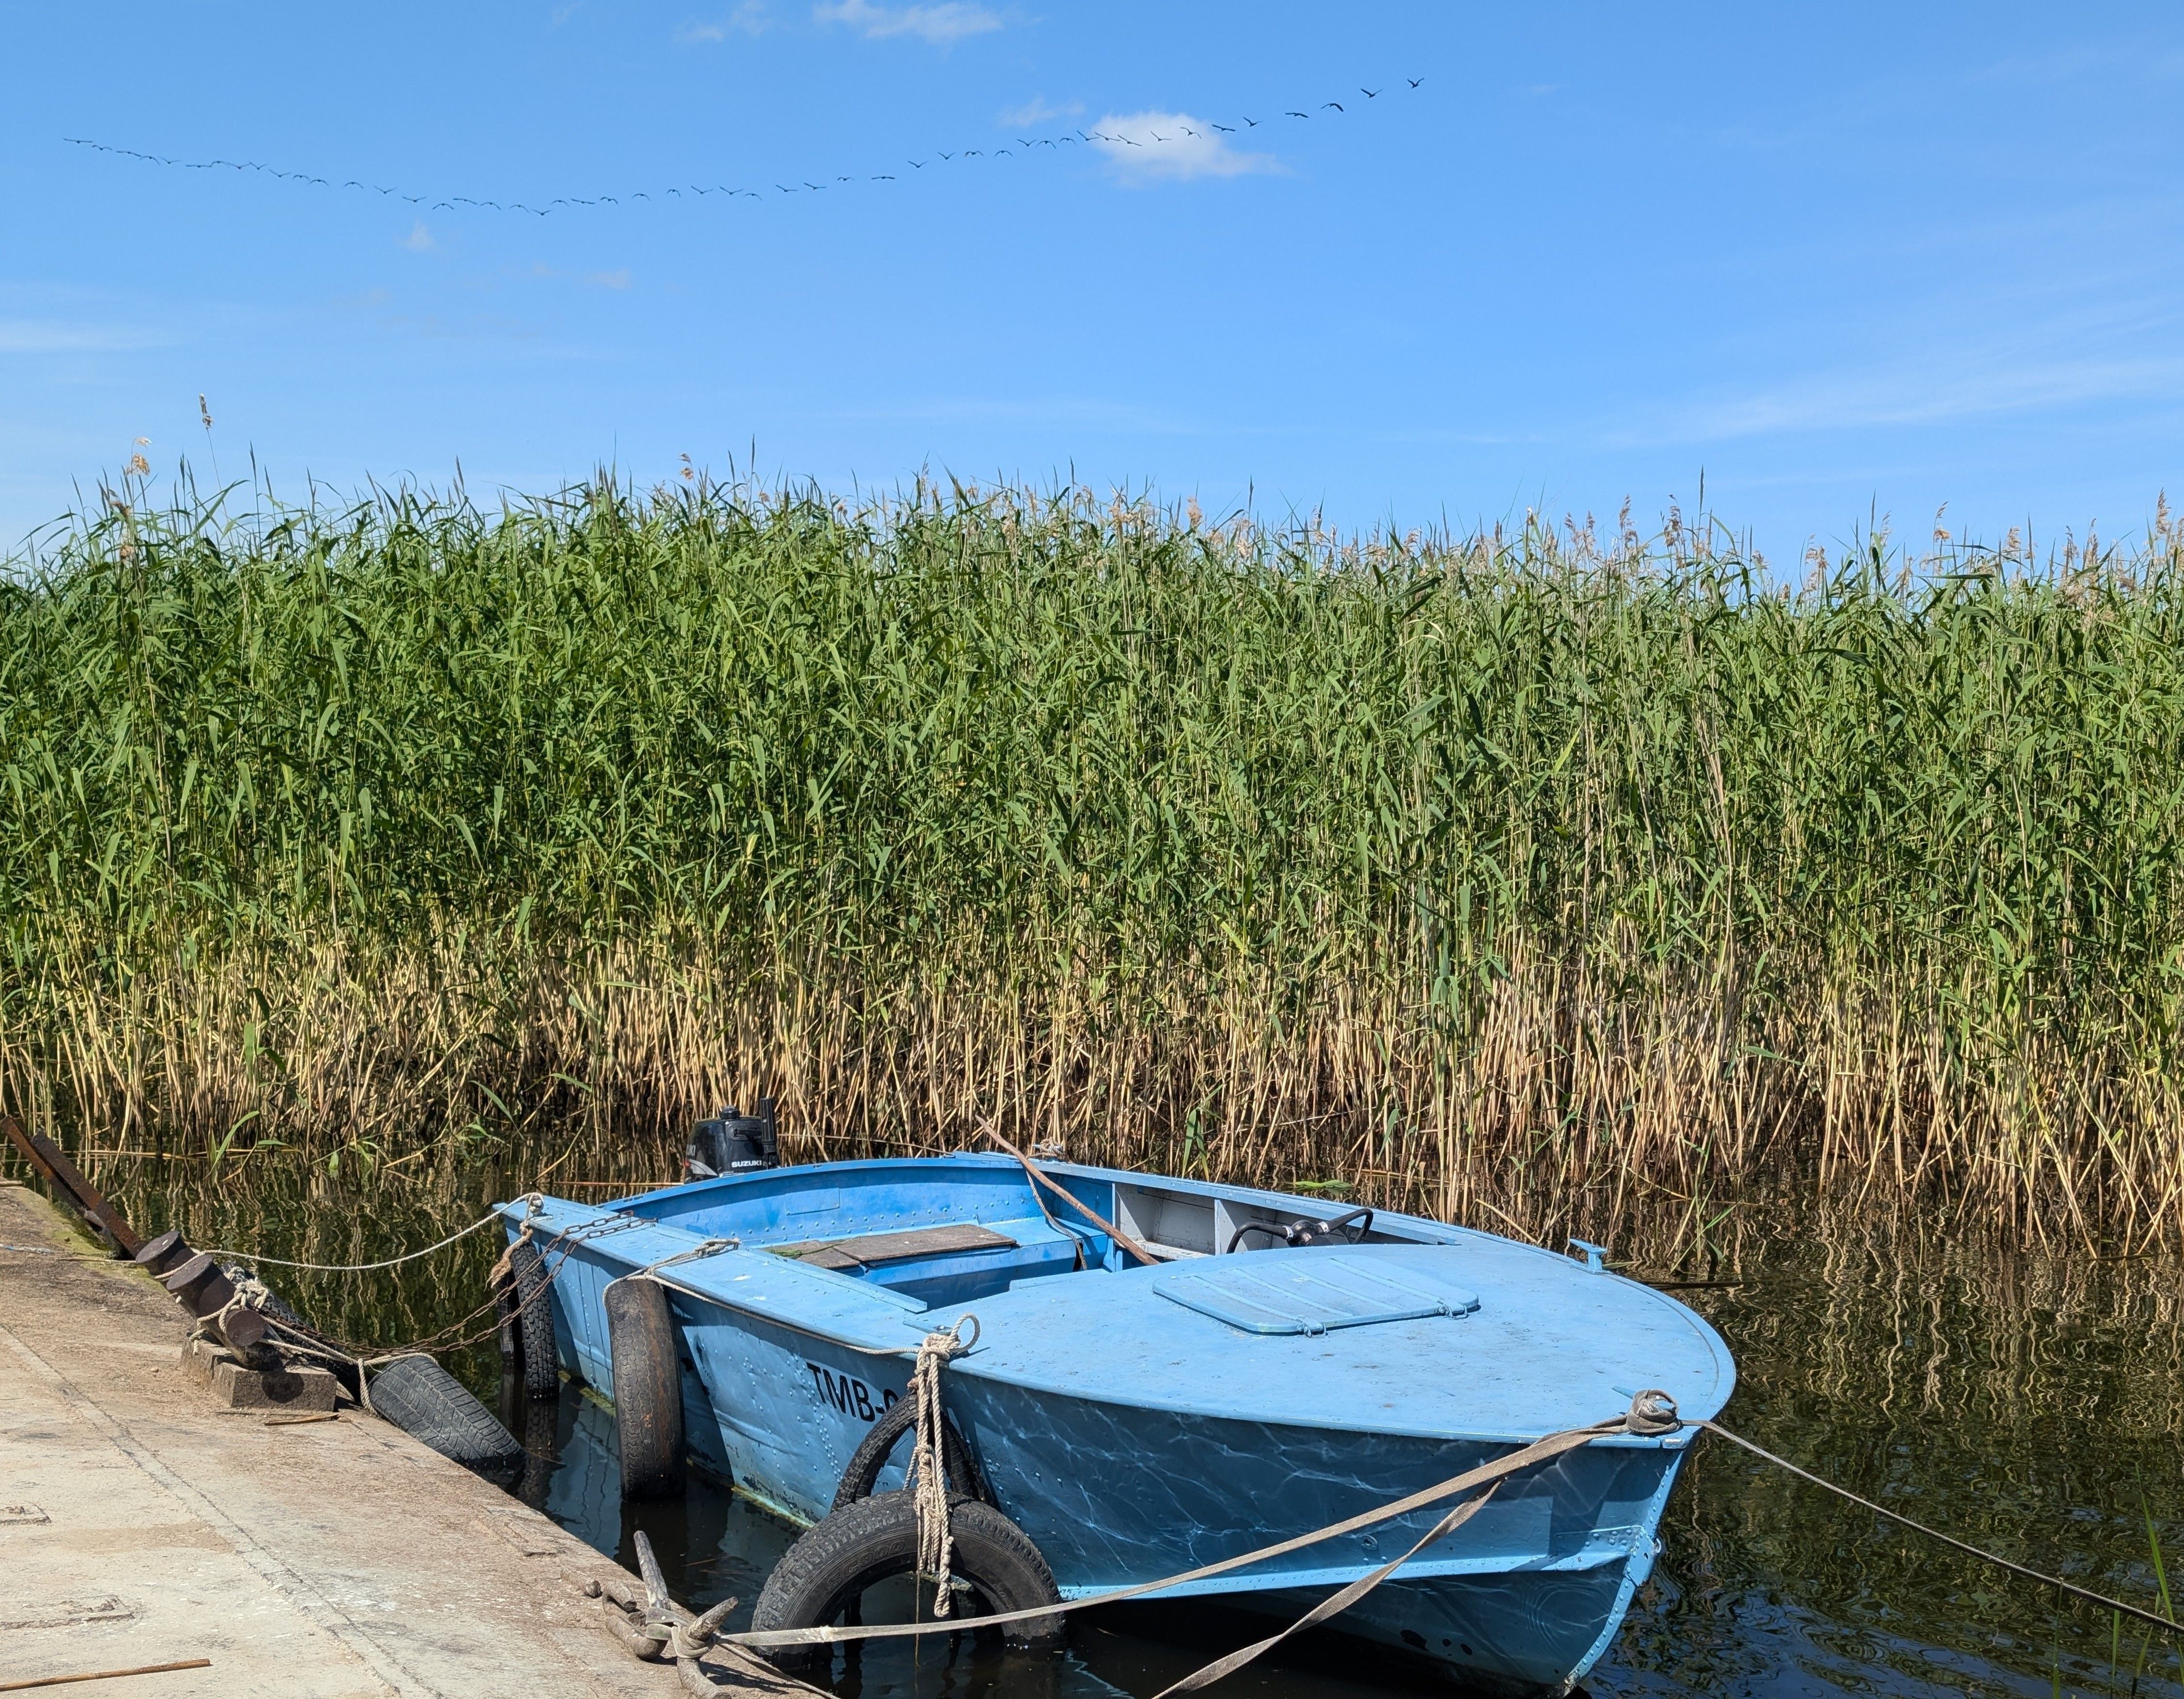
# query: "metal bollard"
205,1292
165,1253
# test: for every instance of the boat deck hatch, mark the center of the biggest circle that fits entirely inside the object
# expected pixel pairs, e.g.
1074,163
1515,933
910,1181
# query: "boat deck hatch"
869,1250
1305,1292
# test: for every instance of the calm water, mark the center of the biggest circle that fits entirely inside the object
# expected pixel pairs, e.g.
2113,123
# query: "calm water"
2031,1402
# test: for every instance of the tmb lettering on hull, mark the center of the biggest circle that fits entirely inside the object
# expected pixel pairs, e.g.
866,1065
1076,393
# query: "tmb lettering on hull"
849,1394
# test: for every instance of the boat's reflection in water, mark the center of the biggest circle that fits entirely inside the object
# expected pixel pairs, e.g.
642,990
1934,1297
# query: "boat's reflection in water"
713,1544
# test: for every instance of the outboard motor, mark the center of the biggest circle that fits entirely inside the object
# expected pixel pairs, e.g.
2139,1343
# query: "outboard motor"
734,1144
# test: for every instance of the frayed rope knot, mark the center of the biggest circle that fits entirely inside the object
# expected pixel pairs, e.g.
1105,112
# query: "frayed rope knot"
926,1477
1653,1413
505,1267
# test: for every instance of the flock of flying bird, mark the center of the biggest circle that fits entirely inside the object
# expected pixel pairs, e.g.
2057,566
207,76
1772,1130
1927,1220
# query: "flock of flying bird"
449,202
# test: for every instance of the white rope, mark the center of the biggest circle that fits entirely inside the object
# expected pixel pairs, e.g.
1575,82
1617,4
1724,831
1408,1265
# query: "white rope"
533,1198
704,1248
926,1475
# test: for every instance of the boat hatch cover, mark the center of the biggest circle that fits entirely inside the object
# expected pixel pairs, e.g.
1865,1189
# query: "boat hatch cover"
1307,1292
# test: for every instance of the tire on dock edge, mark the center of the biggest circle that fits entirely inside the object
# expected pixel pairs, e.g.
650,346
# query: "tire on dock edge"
426,1402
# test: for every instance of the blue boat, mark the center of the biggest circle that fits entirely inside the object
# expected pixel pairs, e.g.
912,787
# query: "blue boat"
1262,1376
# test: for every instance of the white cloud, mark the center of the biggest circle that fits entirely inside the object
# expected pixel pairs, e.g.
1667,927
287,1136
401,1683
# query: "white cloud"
1172,145
50,336
420,239
1036,110
1933,391
619,278
941,23
747,19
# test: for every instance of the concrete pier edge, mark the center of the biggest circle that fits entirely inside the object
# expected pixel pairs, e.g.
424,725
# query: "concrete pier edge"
327,1560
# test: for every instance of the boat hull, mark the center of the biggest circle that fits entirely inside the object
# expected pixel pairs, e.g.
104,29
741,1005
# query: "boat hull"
1520,1600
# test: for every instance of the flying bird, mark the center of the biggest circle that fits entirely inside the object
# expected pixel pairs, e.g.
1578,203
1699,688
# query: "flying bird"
1369,93
1336,104
1414,80
1252,122
1296,114
917,165
947,156
1226,128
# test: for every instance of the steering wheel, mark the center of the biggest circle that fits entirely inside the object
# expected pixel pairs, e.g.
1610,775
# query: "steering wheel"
1349,1227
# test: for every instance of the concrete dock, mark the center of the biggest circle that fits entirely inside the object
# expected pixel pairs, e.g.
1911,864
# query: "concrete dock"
328,1560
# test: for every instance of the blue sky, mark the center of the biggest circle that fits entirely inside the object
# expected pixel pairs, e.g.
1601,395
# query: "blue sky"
1840,260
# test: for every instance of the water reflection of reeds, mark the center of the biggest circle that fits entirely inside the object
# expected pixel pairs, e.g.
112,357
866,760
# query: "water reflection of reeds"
2031,1404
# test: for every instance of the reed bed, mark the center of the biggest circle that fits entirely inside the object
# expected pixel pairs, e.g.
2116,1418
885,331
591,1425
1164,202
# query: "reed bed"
1528,877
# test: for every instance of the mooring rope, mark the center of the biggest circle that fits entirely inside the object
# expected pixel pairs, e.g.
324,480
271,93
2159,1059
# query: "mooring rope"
1948,1539
1651,1414
310,1342
534,1199
926,1475
697,1252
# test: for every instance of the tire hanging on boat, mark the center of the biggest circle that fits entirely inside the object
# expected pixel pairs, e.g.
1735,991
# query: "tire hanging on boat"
875,1539
648,1388
526,1323
871,1457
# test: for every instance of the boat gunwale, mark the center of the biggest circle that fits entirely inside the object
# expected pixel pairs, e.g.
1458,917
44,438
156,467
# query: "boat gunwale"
968,1363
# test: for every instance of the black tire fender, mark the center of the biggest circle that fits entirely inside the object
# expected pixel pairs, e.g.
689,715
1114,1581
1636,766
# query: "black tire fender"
648,1388
526,1322
425,1401
541,1452
875,1538
871,1457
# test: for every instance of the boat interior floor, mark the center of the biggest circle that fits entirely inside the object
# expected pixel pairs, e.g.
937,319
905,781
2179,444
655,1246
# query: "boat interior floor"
957,1262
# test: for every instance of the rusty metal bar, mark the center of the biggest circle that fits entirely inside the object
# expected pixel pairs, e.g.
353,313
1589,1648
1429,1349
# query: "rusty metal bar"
46,1157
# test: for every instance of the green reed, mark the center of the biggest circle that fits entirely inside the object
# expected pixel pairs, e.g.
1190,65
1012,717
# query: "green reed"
1537,870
